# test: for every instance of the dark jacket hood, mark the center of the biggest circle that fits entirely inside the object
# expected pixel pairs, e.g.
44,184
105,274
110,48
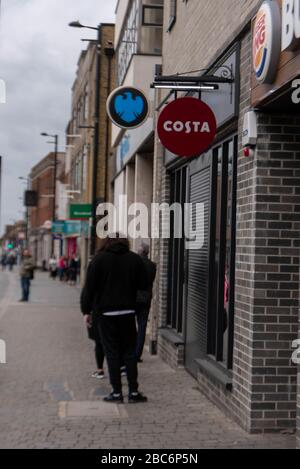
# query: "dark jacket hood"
118,248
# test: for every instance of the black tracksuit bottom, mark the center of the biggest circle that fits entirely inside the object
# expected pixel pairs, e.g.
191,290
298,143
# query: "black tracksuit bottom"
118,335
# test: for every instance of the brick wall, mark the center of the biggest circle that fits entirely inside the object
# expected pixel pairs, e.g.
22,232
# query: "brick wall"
105,90
202,30
276,281
298,412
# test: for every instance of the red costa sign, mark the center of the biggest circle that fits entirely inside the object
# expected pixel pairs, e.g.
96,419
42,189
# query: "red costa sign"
187,127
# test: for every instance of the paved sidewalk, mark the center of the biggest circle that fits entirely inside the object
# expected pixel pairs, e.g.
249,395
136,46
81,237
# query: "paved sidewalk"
49,400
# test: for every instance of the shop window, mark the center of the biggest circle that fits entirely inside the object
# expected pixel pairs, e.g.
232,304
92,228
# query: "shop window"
222,254
84,169
141,33
128,40
176,299
153,15
85,104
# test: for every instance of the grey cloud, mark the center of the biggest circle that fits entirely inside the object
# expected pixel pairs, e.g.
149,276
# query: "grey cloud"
38,56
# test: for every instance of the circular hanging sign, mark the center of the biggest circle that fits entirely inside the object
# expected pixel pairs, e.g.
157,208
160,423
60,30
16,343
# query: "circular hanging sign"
128,107
187,127
267,42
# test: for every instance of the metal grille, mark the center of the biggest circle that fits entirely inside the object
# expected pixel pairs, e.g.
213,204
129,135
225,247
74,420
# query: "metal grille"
198,273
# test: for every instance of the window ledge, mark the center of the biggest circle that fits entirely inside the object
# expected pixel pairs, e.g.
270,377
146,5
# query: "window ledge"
171,336
216,372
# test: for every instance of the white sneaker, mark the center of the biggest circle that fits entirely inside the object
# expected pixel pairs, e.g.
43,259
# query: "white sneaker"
98,375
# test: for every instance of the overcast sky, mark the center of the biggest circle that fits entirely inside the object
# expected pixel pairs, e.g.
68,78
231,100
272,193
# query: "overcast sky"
38,57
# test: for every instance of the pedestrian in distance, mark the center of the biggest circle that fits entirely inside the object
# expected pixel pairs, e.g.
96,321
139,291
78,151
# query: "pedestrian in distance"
109,296
26,275
11,261
144,299
62,268
3,262
73,270
53,267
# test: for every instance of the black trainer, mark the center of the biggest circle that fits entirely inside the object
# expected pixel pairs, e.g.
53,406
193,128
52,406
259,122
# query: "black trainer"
114,398
136,397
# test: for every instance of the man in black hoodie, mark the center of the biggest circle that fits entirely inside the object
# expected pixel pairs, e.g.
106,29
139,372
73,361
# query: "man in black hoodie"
144,300
114,277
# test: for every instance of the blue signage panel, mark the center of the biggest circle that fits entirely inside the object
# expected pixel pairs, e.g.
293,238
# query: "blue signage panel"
58,227
72,228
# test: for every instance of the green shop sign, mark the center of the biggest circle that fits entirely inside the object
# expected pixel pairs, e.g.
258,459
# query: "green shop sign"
80,211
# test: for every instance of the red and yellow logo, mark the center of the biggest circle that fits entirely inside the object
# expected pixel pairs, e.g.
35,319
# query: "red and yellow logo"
260,45
266,42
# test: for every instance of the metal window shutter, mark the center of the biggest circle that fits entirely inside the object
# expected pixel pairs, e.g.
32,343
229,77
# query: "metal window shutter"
196,340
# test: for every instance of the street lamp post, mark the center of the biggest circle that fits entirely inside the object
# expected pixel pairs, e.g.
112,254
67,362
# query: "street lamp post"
27,180
77,24
55,136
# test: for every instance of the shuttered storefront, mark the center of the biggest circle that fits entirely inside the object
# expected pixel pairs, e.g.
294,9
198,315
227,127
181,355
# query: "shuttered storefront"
198,265
201,280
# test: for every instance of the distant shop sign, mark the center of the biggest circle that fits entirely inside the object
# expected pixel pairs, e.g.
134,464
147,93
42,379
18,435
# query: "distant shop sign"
31,199
58,227
128,107
80,211
72,228
187,127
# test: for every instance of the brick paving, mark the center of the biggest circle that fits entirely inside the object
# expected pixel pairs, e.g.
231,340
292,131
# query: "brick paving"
49,400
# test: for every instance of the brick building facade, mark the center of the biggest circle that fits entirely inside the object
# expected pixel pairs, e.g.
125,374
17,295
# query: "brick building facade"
42,181
252,378
80,130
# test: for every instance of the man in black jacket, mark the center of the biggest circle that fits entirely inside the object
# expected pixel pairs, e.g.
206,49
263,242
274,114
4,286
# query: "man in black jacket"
144,299
113,279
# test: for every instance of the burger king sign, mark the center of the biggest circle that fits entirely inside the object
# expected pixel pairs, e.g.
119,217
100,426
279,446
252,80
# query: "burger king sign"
267,42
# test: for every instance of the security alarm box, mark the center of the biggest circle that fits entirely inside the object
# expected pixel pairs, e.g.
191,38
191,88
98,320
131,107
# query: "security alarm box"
249,137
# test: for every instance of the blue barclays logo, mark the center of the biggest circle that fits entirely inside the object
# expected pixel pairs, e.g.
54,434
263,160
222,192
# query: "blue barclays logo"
128,107
2,92
2,352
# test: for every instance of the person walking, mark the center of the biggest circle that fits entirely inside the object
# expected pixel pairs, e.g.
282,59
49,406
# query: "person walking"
62,268
144,299
73,270
53,267
11,261
26,274
109,296
4,262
